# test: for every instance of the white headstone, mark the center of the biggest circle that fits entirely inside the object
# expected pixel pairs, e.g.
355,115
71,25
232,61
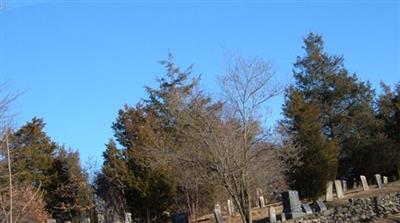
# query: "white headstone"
364,183
231,208
339,189
262,202
378,179
218,214
272,214
283,217
51,221
329,191
385,180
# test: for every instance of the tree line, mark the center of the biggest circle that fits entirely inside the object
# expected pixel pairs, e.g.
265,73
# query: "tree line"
182,150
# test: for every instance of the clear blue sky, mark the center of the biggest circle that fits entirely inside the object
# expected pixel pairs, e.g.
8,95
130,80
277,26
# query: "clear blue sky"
78,62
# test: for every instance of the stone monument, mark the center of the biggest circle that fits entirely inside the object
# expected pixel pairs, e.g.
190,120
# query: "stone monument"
329,191
272,214
364,183
291,204
338,188
378,179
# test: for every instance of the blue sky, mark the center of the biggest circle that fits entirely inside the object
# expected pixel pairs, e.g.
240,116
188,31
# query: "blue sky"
78,62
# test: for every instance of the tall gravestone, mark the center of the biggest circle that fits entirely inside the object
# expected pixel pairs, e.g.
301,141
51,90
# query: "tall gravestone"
378,179
329,191
218,214
385,180
231,208
339,189
344,186
180,218
262,202
291,204
272,214
364,183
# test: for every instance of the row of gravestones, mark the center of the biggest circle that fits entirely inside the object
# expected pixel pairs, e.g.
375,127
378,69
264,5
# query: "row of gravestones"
292,208
100,218
341,186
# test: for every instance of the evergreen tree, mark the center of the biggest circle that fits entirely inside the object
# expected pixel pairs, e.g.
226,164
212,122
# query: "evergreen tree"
110,183
345,107
388,111
32,153
68,196
345,102
318,154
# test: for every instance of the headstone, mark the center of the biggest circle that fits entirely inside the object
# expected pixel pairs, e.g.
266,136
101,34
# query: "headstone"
339,190
272,214
128,217
283,217
100,218
329,191
355,183
344,186
218,214
262,202
307,209
51,221
67,222
364,183
180,218
231,208
385,180
378,179
292,204
320,206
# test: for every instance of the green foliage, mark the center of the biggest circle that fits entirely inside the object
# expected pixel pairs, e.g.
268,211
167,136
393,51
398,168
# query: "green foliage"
32,153
68,195
39,162
318,154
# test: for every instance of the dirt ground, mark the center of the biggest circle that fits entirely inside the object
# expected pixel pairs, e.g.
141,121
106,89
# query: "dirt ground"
260,215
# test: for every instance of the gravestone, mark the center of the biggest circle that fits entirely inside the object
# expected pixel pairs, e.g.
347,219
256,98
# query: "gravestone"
272,214
355,185
179,218
67,222
307,209
100,218
218,214
292,204
320,206
329,191
378,179
262,202
385,180
128,217
51,221
231,208
338,188
364,183
344,185
283,217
